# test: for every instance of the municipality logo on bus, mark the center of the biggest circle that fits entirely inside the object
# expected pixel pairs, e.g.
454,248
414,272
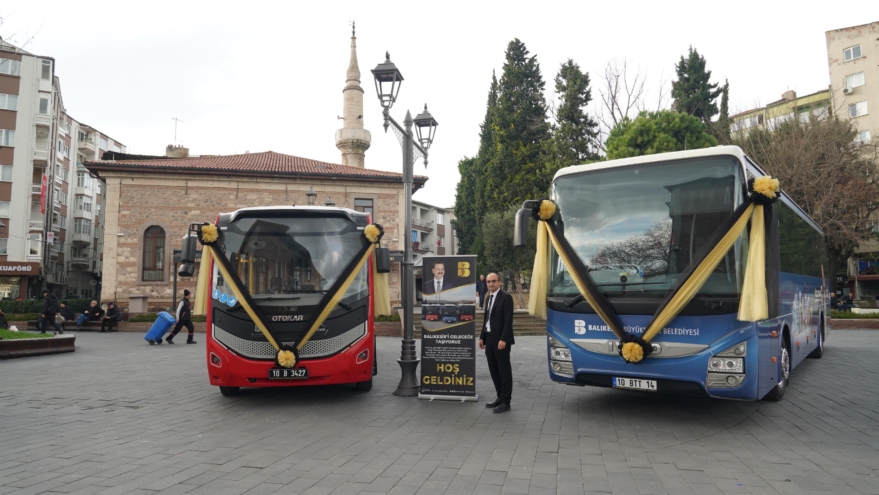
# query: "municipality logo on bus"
579,327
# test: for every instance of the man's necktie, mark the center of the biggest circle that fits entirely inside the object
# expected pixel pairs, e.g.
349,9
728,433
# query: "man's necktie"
488,313
437,289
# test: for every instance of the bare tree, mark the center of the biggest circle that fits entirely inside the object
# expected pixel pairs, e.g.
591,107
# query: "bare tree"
831,174
623,95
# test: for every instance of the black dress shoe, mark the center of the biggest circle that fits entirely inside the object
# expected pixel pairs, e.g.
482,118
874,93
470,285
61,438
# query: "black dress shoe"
502,408
493,404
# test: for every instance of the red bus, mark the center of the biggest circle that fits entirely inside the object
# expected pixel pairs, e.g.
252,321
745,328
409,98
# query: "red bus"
468,312
287,259
430,312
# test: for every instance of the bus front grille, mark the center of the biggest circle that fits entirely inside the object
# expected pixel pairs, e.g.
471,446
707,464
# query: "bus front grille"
312,349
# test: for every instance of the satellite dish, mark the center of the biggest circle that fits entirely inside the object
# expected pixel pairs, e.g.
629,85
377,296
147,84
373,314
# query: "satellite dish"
93,282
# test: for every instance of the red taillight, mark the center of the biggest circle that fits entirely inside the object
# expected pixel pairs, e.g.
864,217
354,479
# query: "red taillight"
215,360
362,357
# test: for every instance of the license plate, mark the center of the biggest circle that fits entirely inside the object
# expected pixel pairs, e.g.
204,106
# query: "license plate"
634,384
288,374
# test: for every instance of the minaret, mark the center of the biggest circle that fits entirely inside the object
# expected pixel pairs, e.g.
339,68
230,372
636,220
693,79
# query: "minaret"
352,139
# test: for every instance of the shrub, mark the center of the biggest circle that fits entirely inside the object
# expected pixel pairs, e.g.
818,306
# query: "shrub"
392,317
22,317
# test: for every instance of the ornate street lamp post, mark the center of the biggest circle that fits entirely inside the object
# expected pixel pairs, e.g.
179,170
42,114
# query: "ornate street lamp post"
387,84
311,196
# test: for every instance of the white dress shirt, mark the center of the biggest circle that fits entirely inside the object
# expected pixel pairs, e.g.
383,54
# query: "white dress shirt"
491,298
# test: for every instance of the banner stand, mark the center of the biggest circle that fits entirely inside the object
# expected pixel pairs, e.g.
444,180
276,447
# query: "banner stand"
448,329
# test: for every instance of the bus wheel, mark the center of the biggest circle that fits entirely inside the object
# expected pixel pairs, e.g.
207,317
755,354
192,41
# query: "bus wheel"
364,386
818,351
777,393
229,391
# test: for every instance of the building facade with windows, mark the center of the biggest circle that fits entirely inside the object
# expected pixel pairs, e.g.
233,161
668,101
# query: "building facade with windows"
790,106
150,202
852,55
49,206
853,63
432,232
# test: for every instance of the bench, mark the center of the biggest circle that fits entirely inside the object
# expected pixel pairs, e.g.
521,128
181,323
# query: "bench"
89,326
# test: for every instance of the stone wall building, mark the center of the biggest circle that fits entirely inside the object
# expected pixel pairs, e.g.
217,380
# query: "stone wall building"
150,202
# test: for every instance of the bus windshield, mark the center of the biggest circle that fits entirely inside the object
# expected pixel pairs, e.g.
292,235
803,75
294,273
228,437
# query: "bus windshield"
638,227
284,258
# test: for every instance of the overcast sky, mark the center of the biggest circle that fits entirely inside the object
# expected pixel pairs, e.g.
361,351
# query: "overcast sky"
261,76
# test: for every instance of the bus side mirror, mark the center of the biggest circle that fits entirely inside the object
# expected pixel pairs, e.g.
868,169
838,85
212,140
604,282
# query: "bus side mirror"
186,270
520,228
187,254
383,260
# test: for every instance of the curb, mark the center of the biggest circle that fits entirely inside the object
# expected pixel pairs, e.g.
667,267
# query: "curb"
36,347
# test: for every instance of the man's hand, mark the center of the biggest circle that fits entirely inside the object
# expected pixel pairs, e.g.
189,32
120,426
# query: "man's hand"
481,344
501,345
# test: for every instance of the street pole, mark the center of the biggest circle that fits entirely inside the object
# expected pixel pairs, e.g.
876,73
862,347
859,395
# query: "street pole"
408,386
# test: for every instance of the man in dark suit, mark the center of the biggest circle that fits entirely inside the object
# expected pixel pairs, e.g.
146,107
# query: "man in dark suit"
437,284
497,340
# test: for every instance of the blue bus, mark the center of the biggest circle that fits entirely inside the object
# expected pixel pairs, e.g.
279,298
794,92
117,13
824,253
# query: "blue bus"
654,213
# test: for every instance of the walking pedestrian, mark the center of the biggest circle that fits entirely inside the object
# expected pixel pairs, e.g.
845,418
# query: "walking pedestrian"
497,340
50,309
184,319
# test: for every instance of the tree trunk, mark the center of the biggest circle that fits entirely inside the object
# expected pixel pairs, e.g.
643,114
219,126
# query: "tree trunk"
518,285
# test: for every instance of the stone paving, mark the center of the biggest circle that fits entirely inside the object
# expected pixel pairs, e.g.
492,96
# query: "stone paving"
119,416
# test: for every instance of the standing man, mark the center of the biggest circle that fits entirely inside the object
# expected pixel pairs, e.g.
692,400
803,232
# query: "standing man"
481,289
50,309
497,340
184,319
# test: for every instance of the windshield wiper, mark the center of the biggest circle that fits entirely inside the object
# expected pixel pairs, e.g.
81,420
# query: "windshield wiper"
573,302
632,283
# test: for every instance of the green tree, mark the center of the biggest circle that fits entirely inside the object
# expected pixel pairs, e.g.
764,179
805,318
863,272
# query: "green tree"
720,127
515,171
466,215
470,198
500,255
575,133
657,132
693,93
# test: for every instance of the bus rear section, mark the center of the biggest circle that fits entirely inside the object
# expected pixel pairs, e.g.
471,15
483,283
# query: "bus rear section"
637,224
287,259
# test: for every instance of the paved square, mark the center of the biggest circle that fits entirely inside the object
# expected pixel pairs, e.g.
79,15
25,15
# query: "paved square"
119,416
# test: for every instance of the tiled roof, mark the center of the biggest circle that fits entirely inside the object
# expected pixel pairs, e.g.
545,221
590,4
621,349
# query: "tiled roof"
265,163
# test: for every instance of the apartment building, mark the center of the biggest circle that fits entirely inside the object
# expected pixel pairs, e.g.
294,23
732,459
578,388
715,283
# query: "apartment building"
50,207
790,106
852,55
432,231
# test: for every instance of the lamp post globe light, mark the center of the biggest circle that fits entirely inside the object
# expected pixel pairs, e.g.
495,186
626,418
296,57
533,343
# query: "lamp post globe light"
311,196
388,80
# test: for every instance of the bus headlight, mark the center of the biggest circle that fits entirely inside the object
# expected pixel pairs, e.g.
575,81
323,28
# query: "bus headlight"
737,350
560,354
726,364
560,357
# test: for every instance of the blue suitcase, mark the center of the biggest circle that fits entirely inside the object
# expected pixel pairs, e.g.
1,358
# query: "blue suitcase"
163,323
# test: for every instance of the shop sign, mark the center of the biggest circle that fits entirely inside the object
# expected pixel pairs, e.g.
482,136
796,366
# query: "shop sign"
18,268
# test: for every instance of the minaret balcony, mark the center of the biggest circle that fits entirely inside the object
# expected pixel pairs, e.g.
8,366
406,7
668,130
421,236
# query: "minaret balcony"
351,134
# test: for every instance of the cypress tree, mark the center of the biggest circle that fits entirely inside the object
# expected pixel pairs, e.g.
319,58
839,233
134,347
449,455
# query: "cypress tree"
519,131
575,133
693,92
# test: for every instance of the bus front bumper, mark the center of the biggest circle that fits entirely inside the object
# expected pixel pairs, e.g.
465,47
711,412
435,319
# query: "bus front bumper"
687,375
227,369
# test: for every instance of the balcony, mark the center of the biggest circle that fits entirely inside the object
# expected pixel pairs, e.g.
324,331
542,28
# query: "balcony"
43,120
81,239
82,191
36,189
87,146
420,248
423,225
35,225
80,262
54,252
41,156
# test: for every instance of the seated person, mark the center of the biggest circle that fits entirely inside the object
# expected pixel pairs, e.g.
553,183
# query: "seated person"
92,313
834,302
111,318
3,322
846,303
66,312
